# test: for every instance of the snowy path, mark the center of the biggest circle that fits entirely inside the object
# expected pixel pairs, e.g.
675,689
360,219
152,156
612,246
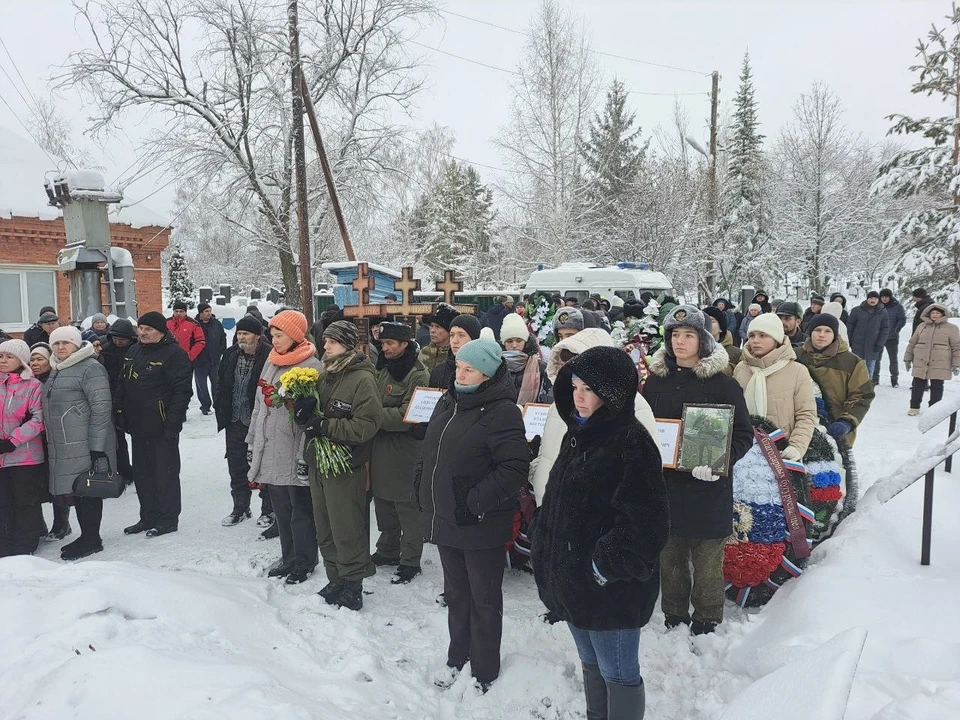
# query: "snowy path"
187,626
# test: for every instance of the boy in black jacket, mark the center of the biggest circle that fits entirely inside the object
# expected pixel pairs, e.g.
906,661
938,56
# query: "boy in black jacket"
689,369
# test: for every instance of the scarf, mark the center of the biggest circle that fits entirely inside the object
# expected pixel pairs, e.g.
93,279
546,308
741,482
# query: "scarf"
333,365
400,367
756,391
294,356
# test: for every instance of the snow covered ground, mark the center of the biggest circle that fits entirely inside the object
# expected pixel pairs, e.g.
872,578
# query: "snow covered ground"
187,626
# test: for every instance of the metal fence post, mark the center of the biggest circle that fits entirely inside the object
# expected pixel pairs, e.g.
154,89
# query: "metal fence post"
948,465
927,518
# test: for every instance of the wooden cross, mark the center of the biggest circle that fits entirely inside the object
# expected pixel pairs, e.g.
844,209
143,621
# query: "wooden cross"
406,286
449,286
363,284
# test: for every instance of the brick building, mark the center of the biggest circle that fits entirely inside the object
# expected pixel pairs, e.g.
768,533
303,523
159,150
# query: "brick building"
32,233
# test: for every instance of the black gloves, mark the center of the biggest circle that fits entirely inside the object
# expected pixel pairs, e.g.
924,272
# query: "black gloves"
316,427
6,446
304,409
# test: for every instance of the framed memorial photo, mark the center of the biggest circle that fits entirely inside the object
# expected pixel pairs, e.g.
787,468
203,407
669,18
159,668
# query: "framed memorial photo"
422,403
706,437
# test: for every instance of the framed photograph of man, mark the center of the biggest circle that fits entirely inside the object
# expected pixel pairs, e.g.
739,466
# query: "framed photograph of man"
706,437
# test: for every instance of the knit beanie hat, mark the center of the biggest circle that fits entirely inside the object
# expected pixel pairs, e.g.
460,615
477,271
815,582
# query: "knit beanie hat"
873,294
42,349
90,336
755,306
248,323
341,331
513,328
568,319
609,372
48,316
719,315
769,324
98,317
293,323
817,299
179,305
68,333
203,306
688,316
122,328
468,323
395,331
487,334
443,316
19,349
482,355
154,320
886,293
824,320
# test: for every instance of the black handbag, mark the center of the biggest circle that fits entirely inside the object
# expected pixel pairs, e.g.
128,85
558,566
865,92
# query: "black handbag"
100,481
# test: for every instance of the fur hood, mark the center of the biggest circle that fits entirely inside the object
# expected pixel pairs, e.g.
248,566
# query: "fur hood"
578,344
714,364
925,315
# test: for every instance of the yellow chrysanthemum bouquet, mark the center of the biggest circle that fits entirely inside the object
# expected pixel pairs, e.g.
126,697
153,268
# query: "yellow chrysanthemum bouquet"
297,383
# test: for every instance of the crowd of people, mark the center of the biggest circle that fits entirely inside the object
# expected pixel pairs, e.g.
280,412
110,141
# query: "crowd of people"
587,504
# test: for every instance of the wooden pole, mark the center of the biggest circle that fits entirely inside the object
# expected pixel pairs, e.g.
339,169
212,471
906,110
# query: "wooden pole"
300,164
327,174
712,191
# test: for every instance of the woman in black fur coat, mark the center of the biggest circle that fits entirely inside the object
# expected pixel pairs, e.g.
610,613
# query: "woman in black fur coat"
603,523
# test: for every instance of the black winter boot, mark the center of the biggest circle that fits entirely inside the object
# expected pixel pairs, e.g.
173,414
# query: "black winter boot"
351,596
240,513
331,591
61,522
595,690
701,627
626,702
673,621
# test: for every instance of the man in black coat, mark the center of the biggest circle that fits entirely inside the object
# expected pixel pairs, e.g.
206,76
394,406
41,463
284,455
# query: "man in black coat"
817,302
689,369
921,301
237,389
120,337
868,329
495,315
897,318
152,398
206,368
40,330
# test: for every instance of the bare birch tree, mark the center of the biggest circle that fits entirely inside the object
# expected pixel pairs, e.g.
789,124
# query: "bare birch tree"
216,72
554,94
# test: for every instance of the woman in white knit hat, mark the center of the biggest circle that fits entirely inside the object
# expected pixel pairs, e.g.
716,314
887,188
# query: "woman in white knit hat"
776,386
21,451
522,355
78,408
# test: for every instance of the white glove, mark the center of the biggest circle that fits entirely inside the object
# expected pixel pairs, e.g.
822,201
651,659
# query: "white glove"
705,473
791,453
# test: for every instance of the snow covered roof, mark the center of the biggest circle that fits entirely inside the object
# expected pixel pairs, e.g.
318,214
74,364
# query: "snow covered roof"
373,267
23,166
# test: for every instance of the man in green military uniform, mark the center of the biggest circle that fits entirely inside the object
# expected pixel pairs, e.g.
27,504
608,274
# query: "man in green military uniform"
351,411
396,448
435,354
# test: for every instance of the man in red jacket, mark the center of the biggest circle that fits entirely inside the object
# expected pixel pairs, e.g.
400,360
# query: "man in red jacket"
187,331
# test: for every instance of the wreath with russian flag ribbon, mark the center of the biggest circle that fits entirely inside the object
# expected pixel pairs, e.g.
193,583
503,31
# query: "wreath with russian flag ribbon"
781,510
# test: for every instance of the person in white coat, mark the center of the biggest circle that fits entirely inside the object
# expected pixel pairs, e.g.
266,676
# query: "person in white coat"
555,428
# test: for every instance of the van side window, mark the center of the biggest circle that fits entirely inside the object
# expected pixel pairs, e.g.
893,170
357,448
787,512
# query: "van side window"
580,295
625,294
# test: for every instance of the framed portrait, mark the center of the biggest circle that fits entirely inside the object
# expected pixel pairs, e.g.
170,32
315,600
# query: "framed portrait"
705,438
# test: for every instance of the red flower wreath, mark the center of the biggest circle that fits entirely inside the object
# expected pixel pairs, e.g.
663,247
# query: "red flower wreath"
749,564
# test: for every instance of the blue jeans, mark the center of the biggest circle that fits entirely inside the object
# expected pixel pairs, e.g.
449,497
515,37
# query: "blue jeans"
201,374
871,365
615,652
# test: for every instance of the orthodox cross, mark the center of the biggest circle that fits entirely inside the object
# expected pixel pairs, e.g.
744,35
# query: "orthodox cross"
363,310
449,286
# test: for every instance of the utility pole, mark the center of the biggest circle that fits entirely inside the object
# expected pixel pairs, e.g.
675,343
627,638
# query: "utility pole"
327,174
711,276
300,164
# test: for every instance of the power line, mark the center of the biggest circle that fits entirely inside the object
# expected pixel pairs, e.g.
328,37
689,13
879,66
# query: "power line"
595,52
516,74
19,74
13,112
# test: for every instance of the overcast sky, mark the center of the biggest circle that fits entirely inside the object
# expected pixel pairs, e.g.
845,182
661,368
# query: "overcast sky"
862,50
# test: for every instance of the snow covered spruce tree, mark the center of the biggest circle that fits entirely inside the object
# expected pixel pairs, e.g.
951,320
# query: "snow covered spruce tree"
744,222
929,234
613,161
179,285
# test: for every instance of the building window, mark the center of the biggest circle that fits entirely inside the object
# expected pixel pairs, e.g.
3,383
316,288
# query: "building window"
22,294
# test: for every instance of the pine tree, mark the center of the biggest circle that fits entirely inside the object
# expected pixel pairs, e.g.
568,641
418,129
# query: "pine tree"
743,215
613,160
453,226
179,285
929,235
